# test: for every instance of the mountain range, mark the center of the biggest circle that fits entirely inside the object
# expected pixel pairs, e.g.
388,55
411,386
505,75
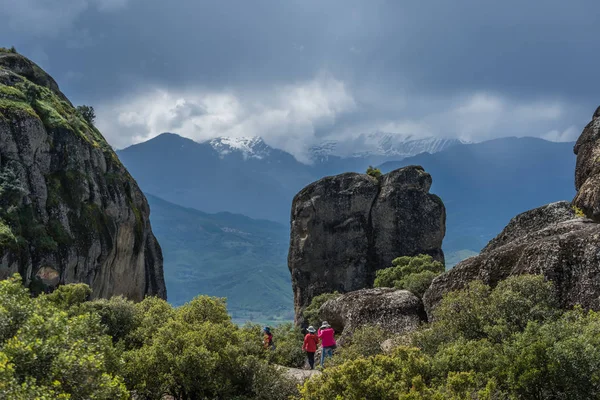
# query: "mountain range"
482,185
236,174
379,146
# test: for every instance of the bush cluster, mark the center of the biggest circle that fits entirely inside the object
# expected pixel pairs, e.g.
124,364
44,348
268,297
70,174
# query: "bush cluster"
511,342
311,313
374,172
411,273
62,346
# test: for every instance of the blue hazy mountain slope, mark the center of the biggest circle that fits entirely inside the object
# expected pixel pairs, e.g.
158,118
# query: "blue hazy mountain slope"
225,255
484,185
197,175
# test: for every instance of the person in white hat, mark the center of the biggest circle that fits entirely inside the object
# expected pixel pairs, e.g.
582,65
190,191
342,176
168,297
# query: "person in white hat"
328,344
311,342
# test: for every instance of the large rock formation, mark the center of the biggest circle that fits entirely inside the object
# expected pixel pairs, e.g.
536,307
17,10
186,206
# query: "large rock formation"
396,311
346,227
69,210
549,240
587,172
554,240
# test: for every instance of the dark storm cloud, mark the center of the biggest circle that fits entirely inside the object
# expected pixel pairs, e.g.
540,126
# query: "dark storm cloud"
457,68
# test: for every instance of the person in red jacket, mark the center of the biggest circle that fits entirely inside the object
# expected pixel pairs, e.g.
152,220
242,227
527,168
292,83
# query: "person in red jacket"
327,336
311,342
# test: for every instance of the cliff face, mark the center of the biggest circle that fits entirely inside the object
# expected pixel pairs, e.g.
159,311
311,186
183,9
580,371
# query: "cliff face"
550,241
344,228
556,240
587,172
69,210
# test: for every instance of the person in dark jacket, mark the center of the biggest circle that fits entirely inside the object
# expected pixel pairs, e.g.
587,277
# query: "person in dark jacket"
268,339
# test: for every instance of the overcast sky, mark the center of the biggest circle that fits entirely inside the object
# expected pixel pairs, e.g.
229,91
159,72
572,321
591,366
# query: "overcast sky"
298,71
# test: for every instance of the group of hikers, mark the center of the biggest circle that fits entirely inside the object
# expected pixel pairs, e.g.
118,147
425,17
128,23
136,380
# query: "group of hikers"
325,335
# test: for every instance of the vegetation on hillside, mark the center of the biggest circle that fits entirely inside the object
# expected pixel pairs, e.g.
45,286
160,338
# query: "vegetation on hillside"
508,342
511,342
411,273
61,346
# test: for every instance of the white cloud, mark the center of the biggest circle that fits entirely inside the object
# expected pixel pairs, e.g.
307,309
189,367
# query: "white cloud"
568,135
285,116
293,117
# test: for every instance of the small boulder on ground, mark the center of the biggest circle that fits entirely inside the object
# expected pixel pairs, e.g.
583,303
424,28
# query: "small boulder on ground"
396,311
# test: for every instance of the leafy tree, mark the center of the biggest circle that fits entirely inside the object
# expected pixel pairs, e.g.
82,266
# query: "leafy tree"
46,353
374,172
11,191
411,273
68,296
87,113
63,346
119,315
195,351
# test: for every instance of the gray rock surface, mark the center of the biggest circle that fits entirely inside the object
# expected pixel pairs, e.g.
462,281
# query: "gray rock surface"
299,375
550,241
346,227
396,311
79,216
587,172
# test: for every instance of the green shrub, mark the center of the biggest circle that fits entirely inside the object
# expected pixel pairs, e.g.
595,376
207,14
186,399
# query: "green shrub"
374,172
410,273
311,313
7,238
118,315
62,346
288,341
510,342
87,113
374,378
67,296
578,212
46,352
364,342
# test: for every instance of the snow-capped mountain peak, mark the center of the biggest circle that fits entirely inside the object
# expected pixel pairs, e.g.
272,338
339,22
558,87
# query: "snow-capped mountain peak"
249,147
381,144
